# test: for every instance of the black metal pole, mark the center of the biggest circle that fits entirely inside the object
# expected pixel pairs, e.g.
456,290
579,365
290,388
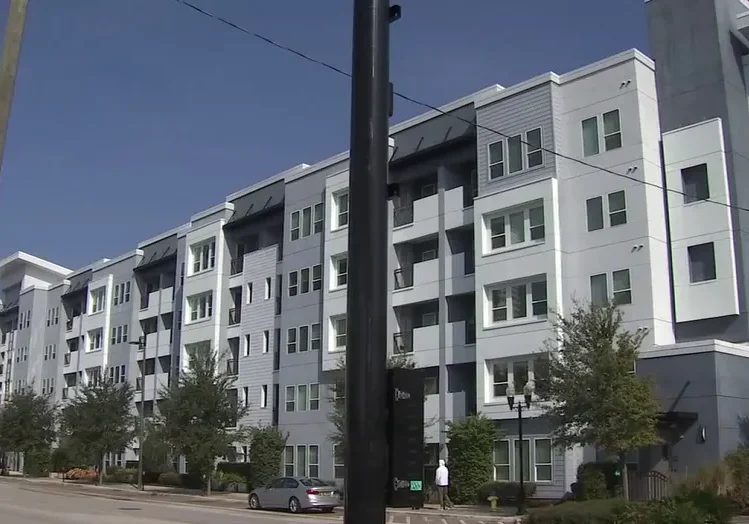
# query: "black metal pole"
521,493
366,348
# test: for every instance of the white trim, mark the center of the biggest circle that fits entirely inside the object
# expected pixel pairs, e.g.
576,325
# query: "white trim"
120,258
176,231
693,348
284,175
20,256
223,206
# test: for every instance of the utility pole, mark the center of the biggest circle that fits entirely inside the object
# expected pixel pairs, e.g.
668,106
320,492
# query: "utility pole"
9,65
366,456
141,343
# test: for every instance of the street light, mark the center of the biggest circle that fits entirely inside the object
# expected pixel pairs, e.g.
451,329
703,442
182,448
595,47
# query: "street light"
141,343
528,396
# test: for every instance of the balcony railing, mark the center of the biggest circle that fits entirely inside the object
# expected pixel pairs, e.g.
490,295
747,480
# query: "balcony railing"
232,367
403,343
404,277
144,301
66,359
69,325
237,266
235,315
470,334
138,383
403,215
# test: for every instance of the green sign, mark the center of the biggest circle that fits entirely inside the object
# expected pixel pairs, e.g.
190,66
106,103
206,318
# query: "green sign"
415,485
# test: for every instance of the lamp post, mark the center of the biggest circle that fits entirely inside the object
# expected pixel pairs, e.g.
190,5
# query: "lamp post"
141,343
528,396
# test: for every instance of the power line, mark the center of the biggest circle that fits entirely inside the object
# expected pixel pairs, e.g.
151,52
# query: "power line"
442,112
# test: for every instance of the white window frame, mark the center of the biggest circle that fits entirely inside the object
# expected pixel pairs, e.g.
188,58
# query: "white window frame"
203,256
290,400
340,279
531,300
247,344
290,342
286,463
98,299
618,132
200,307
499,163
340,218
305,280
302,397
315,464
612,295
549,465
602,145
248,299
336,464
95,340
508,464
315,337
535,152
531,227
266,341
268,288
295,231
519,140
314,400
264,396
316,272
608,215
335,323
318,218
293,283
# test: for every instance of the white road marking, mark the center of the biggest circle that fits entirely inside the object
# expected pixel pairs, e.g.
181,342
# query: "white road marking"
443,521
391,519
462,521
408,519
481,522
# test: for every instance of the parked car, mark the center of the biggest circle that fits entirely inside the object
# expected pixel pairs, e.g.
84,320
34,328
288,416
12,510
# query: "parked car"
296,494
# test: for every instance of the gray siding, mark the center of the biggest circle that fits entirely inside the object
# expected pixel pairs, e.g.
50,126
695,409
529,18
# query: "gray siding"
256,369
511,116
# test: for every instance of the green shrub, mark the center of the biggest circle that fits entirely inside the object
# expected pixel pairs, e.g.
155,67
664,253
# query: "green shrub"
737,463
471,449
37,463
506,491
589,512
121,476
170,478
597,480
719,509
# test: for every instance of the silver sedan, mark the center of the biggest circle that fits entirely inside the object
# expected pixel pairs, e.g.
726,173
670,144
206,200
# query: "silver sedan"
296,494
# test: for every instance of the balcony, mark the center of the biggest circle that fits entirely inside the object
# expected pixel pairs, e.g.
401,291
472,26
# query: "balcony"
426,346
458,207
138,384
235,316
460,342
236,266
403,215
416,220
66,358
418,283
232,367
157,302
73,327
403,343
459,274
159,344
404,277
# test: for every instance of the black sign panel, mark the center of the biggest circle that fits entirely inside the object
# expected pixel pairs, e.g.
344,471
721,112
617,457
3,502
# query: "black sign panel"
406,438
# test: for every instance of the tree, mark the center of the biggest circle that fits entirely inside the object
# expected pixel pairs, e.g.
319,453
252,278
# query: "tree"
199,415
266,452
156,451
595,397
27,425
99,420
471,446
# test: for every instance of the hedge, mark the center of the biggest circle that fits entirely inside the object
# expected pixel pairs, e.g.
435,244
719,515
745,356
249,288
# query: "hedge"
506,491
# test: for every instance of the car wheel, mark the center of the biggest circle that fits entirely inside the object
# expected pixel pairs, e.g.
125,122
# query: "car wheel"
294,505
254,502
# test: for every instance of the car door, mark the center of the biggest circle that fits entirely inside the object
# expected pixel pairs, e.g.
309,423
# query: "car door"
290,489
273,494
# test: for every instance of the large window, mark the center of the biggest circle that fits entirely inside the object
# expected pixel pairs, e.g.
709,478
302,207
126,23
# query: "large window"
609,129
515,228
502,460
314,397
517,373
304,280
340,271
119,335
496,160
533,150
542,460
203,256
517,301
290,398
95,339
517,153
338,467
340,209
121,293
291,340
98,297
288,461
338,326
615,206
695,182
702,262
200,307
620,285
525,449
306,222
537,454
313,461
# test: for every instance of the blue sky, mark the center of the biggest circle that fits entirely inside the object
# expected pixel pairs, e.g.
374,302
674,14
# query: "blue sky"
131,115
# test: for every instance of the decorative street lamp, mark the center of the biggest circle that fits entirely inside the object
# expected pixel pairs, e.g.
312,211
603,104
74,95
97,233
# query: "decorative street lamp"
528,394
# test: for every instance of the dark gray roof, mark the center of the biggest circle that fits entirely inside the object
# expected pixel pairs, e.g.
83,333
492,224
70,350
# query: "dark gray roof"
79,282
257,202
159,251
435,132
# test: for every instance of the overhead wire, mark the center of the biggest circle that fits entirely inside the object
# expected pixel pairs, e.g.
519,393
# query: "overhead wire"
436,109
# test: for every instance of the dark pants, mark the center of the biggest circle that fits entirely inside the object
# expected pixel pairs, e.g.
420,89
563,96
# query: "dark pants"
445,501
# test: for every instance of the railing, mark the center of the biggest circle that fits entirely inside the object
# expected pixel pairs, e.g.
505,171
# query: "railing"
144,301
138,383
235,315
404,277
649,486
66,359
403,343
232,367
237,266
403,215
69,325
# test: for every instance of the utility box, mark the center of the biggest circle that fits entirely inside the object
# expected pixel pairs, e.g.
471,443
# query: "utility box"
405,426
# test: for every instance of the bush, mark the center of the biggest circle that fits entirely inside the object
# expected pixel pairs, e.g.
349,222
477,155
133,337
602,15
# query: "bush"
121,476
238,469
471,449
738,467
719,508
597,480
37,463
170,478
266,453
589,512
506,491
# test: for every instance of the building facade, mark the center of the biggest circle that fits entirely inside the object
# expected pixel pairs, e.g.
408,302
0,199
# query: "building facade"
555,195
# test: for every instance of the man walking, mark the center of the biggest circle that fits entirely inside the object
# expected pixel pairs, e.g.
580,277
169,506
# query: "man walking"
442,480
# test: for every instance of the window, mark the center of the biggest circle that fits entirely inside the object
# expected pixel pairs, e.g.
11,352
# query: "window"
117,374
590,137
119,335
622,287
302,398
304,277
268,288
515,154
502,460
314,397
200,306
293,283
49,317
695,183
521,297
313,459
290,398
338,467
339,333
264,396
266,341
93,376
315,337
246,349
57,314
594,210
701,262
519,228
428,254
288,461
496,160
301,461
249,293
203,256
533,150
246,396
542,459
340,268
291,340
316,277
95,339
97,299
526,451
303,338
617,209
121,293
340,202
127,291
500,378
519,376
599,294
612,130
318,225
295,228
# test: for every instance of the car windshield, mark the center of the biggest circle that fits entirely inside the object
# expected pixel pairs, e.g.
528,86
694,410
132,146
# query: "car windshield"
313,482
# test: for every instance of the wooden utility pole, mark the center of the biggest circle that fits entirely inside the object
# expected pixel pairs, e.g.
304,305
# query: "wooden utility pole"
9,65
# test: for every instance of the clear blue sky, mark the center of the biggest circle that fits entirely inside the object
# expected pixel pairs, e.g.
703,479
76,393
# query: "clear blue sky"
131,115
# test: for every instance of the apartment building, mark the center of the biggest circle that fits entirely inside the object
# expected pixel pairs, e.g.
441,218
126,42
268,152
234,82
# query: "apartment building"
491,232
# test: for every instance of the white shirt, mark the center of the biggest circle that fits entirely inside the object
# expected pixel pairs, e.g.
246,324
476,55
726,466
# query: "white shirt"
441,476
